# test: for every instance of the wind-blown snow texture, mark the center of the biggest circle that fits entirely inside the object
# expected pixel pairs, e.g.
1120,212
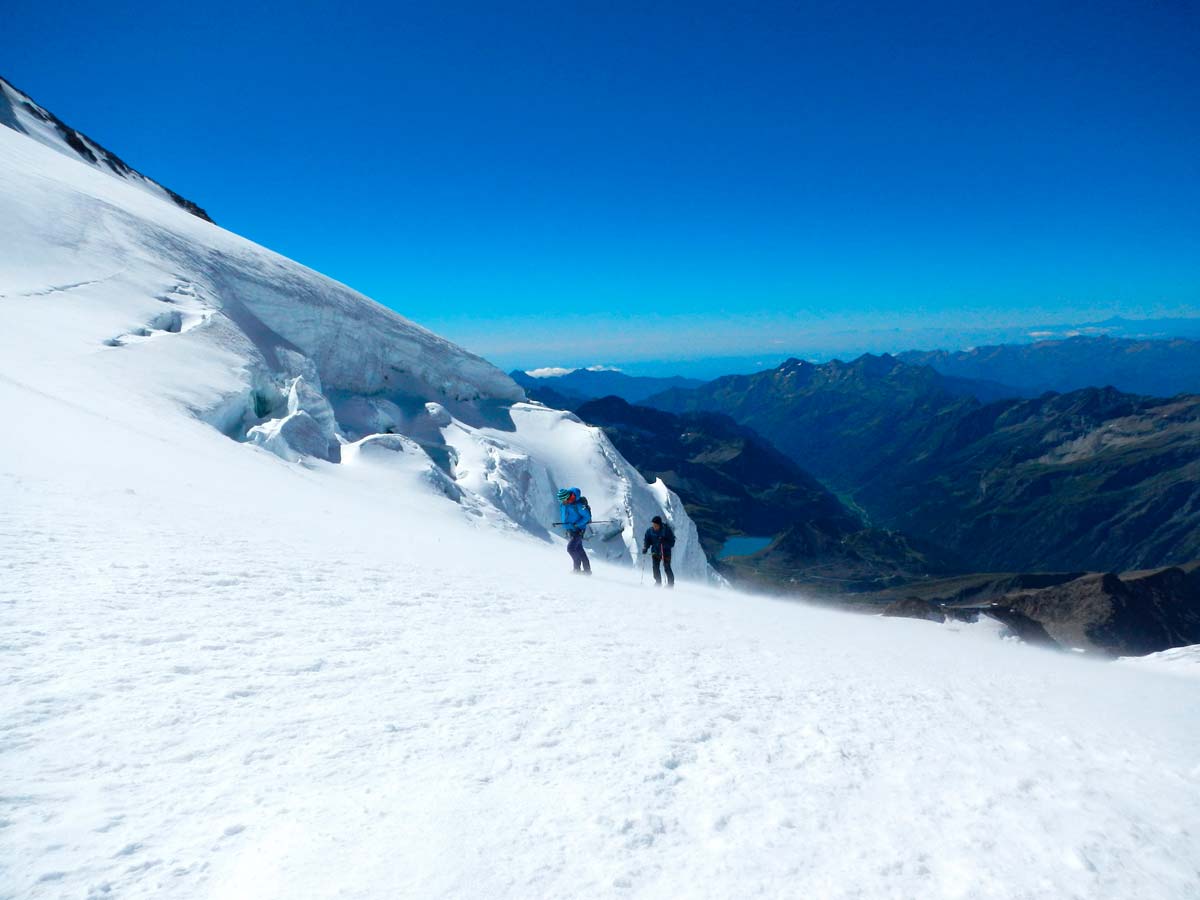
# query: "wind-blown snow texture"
227,674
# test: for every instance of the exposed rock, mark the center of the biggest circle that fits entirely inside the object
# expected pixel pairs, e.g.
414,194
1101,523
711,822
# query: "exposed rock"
1139,613
915,608
1026,629
1128,614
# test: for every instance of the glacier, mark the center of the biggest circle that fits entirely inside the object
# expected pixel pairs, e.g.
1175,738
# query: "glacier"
187,315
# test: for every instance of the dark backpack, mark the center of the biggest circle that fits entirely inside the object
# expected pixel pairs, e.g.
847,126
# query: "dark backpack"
583,504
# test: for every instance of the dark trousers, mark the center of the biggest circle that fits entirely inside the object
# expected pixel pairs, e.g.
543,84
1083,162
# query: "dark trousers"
665,559
578,555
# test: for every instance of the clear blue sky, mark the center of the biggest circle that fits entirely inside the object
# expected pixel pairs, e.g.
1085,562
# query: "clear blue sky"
563,184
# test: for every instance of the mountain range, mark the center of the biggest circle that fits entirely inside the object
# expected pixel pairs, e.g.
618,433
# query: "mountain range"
840,421
1158,368
577,385
1093,479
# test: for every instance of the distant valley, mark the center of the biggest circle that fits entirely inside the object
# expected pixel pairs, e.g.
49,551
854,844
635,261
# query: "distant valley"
1093,479
735,485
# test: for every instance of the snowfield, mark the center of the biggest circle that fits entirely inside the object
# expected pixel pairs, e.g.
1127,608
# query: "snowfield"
333,661
1178,661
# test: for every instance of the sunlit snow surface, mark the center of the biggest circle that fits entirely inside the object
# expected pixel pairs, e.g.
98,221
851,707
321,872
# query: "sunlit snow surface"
1177,661
229,675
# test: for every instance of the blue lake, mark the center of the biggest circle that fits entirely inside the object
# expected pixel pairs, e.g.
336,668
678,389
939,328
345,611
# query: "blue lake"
743,546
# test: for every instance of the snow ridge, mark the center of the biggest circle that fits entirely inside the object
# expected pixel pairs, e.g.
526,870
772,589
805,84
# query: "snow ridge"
20,113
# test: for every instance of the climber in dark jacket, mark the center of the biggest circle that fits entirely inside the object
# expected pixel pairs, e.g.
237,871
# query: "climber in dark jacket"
659,540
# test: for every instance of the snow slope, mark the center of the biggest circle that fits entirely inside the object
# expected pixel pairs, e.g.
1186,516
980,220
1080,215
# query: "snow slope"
1178,661
226,674
19,112
104,285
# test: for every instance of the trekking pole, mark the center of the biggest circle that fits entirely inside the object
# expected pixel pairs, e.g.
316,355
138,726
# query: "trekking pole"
642,571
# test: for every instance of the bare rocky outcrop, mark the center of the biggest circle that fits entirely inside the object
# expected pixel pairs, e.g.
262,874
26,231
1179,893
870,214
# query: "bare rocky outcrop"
914,608
1125,615
1107,613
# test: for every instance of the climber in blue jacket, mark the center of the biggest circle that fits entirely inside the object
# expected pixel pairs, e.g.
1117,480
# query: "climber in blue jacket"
575,516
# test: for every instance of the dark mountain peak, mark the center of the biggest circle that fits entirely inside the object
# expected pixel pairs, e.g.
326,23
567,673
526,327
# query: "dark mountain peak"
888,373
877,366
1097,403
610,404
617,412
613,410
868,365
790,375
19,112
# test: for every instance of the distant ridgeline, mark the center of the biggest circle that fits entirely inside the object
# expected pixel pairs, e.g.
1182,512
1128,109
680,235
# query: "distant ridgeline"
1092,479
1157,368
574,387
